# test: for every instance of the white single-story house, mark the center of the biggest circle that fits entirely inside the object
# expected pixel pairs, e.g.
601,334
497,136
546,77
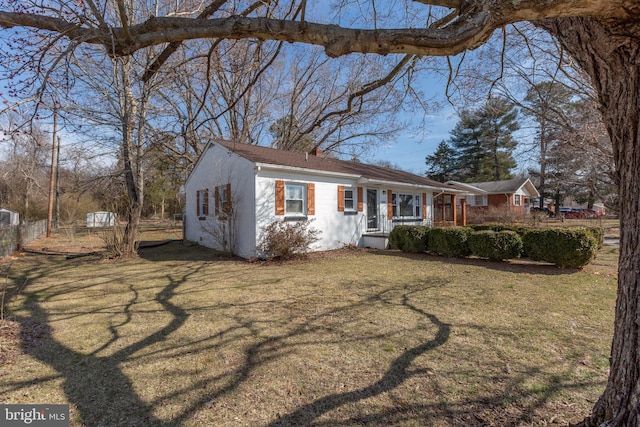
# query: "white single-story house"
235,190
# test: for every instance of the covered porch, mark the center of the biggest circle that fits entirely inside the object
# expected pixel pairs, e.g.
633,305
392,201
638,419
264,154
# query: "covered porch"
449,210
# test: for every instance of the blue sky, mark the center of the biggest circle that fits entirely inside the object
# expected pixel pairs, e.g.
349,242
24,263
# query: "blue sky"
411,147
424,132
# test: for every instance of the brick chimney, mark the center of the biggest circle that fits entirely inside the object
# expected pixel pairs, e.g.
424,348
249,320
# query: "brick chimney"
316,152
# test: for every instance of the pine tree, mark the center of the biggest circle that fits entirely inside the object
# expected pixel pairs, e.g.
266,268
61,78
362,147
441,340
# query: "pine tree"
441,165
481,144
466,140
498,121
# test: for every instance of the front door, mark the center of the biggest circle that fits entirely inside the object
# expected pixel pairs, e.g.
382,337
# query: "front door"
372,209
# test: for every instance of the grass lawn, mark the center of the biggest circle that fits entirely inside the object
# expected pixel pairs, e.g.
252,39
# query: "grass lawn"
180,337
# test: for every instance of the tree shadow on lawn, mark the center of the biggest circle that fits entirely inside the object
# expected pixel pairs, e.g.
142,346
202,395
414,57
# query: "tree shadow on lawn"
96,385
104,395
176,250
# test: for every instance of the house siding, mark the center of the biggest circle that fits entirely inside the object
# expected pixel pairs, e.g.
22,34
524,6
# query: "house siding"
499,201
222,168
338,228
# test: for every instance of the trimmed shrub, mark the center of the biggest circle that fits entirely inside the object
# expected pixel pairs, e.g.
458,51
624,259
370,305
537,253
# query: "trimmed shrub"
496,246
500,227
563,247
598,234
397,237
287,239
409,238
449,241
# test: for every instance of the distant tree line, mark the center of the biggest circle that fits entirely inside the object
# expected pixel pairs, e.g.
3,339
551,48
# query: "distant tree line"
569,145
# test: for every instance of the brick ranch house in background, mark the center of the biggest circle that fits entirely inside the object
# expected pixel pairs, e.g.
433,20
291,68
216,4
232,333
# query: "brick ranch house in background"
487,198
235,190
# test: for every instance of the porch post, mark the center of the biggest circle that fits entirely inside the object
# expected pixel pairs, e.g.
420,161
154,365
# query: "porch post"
453,210
463,211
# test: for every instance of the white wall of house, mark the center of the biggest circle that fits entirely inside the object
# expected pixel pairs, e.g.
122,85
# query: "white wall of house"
217,167
338,228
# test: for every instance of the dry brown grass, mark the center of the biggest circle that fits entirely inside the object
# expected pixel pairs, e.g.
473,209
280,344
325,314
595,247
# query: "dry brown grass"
180,337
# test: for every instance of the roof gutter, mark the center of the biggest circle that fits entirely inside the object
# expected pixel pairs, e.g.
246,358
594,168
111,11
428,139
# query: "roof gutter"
359,178
423,186
305,171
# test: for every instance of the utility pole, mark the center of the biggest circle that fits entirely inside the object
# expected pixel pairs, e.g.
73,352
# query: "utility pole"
53,174
57,216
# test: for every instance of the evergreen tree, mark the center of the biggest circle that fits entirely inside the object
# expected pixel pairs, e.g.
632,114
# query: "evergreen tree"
441,165
497,122
466,140
481,145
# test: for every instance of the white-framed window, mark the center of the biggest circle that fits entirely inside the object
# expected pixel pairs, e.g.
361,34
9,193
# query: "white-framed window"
517,200
406,205
350,199
222,198
295,199
202,203
478,200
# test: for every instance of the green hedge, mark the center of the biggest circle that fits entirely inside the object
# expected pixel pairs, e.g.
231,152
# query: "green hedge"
563,247
572,248
500,227
496,246
449,241
409,238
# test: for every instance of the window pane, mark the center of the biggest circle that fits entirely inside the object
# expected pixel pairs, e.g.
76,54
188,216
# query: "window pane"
406,205
293,192
348,204
294,206
348,199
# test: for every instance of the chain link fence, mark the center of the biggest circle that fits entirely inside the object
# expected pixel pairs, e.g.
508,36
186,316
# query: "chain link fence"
14,237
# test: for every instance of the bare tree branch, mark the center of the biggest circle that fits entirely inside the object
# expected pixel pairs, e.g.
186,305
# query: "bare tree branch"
474,26
173,46
124,19
360,93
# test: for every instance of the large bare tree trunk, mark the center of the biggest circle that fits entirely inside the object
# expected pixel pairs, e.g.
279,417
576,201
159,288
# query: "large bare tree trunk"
611,56
131,156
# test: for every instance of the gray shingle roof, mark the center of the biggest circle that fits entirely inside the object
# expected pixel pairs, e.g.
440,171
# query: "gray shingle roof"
271,156
500,187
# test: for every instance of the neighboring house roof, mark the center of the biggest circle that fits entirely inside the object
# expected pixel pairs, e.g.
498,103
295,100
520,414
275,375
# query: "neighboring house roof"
507,186
363,172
